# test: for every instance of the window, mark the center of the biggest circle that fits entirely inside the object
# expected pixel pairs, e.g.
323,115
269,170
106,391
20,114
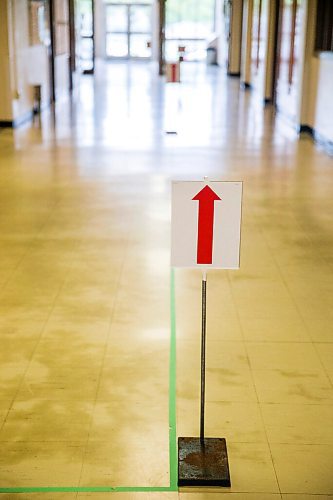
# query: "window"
189,23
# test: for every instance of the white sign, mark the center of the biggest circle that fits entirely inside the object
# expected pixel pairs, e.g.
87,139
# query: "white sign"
205,224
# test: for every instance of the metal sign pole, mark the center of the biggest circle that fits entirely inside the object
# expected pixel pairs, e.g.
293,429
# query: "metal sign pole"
203,355
203,461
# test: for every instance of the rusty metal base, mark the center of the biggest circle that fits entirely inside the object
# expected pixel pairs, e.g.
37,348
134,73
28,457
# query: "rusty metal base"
203,464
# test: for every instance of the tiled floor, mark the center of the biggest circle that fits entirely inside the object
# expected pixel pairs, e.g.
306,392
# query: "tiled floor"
85,294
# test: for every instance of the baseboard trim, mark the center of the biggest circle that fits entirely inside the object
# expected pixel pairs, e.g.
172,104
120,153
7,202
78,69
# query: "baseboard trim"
306,129
6,124
27,117
318,138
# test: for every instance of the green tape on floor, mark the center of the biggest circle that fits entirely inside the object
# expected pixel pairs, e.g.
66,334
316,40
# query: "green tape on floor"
97,489
173,458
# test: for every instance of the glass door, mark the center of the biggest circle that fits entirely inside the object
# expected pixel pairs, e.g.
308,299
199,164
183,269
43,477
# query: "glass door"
117,41
140,30
85,35
128,30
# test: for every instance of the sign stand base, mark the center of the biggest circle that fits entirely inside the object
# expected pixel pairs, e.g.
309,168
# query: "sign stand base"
203,462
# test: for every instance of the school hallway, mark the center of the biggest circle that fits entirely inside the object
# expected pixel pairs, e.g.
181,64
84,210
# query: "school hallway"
100,338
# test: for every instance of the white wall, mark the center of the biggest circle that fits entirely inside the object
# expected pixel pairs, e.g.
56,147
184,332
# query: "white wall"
61,64
99,29
222,46
323,118
22,65
316,82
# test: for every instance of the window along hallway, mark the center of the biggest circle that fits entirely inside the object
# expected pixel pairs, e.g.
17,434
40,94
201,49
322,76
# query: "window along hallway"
85,294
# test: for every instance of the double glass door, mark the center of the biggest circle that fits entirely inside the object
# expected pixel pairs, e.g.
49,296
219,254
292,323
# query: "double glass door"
128,30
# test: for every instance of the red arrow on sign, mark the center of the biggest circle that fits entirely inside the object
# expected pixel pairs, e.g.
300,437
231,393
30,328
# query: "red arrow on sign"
206,198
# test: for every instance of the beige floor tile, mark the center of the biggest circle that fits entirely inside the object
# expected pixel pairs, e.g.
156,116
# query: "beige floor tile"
22,321
4,407
13,249
163,495
224,329
251,468
39,496
319,328
11,374
262,302
253,307
63,371
135,308
15,348
96,310
127,336
42,464
127,421
220,329
49,274
25,296
135,378
292,386
304,496
283,356
125,463
144,344
283,328
325,352
304,468
222,320
134,325
81,330
208,495
5,274
228,373
85,273
239,422
131,496
298,423
219,354
222,384
45,421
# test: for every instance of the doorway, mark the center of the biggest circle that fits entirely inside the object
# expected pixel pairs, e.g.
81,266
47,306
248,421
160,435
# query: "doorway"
128,30
85,35
259,43
288,56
